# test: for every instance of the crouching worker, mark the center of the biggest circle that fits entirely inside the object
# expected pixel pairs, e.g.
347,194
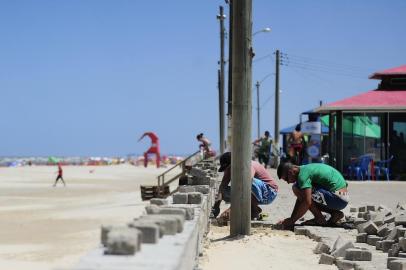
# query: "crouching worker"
263,189
318,188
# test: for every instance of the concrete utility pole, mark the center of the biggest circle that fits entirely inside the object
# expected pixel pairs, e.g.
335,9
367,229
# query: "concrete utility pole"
277,99
258,119
242,118
230,72
221,18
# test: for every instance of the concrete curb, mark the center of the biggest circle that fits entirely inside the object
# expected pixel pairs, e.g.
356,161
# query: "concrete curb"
172,252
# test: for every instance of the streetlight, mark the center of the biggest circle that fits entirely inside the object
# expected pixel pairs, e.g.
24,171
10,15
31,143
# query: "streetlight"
264,30
258,84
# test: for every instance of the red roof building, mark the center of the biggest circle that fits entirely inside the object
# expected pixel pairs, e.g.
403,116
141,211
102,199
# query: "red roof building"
385,108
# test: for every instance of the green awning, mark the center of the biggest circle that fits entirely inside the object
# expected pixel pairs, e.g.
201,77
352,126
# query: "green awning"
357,125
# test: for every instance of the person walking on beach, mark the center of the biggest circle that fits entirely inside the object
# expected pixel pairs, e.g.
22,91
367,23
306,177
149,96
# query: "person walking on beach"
319,188
60,176
264,148
205,146
263,188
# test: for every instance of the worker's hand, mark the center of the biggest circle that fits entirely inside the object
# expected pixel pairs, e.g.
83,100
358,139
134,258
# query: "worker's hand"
219,196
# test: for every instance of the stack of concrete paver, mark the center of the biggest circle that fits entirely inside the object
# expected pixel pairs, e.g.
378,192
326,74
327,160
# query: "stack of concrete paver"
168,236
380,240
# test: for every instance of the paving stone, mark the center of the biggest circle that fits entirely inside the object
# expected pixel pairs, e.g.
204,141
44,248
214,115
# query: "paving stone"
393,234
326,259
152,209
378,245
149,231
168,224
122,241
362,238
370,215
197,172
361,215
402,243
371,207
398,264
362,209
204,189
390,259
158,201
401,232
389,219
180,198
186,189
104,231
372,239
353,209
378,219
387,244
321,248
173,211
301,231
402,255
195,198
189,210
383,230
400,220
345,264
401,206
394,250
368,227
358,221
355,254
339,247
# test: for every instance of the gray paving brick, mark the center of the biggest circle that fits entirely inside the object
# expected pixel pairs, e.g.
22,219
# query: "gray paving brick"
122,241
361,238
398,264
189,209
321,248
149,231
345,264
204,189
180,198
362,209
158,201
372,239
301,231
378,245
387,244
186,189
326,259
355,254
195,198
400,220
383,230
402,243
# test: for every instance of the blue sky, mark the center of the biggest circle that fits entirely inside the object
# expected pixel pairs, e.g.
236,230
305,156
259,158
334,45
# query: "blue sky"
89,77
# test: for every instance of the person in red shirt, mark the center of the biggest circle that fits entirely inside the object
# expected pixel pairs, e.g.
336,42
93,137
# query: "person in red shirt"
154,149
60,175
263,188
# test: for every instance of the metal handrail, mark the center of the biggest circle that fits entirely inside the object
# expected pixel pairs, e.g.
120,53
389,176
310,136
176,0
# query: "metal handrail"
161,177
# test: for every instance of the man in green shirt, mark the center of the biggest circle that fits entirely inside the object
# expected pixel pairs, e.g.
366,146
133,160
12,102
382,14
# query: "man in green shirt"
318,188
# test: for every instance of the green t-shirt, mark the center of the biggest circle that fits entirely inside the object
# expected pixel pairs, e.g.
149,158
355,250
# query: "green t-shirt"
321,175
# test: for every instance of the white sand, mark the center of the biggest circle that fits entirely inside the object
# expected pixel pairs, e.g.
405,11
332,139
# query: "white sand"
42,227
264,249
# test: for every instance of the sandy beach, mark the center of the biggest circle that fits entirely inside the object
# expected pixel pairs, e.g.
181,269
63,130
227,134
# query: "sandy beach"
45,227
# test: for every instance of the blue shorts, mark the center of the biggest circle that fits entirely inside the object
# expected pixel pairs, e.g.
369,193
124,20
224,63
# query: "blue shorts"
263,192
327,198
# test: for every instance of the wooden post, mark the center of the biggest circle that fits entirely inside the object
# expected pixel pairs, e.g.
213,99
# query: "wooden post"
242,119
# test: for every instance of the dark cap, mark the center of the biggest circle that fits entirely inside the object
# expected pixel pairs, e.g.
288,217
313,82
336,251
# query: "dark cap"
283,169
225,161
